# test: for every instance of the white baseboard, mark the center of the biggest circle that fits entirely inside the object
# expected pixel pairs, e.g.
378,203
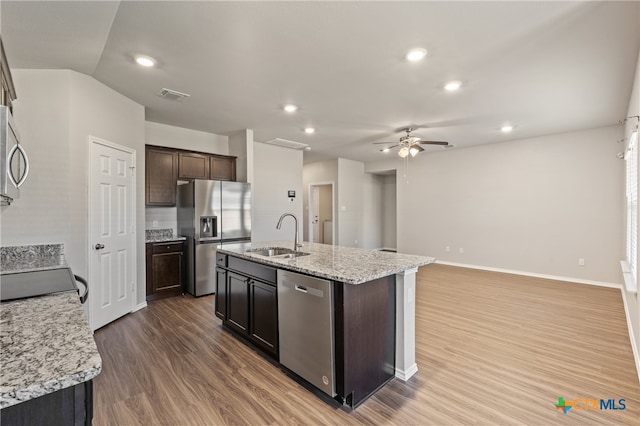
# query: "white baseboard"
405,375
139,306
533,274
632,338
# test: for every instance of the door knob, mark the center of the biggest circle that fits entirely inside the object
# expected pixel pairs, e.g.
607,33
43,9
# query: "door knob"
99,246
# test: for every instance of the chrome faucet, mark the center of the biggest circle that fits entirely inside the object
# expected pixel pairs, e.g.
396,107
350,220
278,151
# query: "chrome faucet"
296,244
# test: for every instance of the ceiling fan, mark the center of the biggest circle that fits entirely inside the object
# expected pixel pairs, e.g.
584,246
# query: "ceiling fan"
410,144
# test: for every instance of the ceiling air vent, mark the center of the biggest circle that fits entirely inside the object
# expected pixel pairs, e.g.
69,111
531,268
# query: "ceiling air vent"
172,95
287,144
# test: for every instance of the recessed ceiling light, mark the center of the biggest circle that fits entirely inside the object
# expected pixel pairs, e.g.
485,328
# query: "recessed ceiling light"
507,128
385,150
452,86
145,61
309,130
307,148
290,108
416,54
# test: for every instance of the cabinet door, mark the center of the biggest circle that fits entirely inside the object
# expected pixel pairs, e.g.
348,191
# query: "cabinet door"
161,174
222,168
193,166
167,272
264,315
221,293
238,302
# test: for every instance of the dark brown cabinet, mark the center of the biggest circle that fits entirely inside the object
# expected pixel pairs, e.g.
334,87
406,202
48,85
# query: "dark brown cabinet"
165,166
247,301
161,176
222,167
238,302
69,406
263,314
165,269
192,165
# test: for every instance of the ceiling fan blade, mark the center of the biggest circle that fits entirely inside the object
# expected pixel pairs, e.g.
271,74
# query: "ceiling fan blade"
383,143
418,147
433,143
389,147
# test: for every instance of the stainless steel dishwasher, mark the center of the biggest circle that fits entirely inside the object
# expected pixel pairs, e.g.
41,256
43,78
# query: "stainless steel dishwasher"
305,325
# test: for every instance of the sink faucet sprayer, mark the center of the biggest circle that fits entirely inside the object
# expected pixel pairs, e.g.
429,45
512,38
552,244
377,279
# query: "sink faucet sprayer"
296,244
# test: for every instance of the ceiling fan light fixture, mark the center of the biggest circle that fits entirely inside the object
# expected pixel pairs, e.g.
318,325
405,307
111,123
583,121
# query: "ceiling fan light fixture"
416,54
404,151
414,150
452,86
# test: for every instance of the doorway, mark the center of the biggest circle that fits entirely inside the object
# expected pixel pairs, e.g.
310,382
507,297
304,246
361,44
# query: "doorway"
112,224
321,213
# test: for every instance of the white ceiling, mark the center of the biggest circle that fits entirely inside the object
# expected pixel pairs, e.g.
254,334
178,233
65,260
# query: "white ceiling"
545,67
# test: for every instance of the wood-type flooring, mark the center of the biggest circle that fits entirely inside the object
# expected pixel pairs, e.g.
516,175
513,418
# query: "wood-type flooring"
491,349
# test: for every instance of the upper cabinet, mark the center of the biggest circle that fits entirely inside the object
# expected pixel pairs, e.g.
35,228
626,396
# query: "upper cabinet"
161,176
222,167
8,94
165,166
192,165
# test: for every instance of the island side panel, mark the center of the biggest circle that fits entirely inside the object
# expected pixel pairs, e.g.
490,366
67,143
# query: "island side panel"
365,337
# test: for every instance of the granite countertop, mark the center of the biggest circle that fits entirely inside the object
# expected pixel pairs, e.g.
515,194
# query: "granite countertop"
161,236
45,345
31,258
344,264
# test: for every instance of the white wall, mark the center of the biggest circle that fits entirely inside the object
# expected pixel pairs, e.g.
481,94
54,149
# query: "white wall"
42,116
179,137
320,172
241,146
56,112
372,212
276,171
534,205
389,207
633,305
350,202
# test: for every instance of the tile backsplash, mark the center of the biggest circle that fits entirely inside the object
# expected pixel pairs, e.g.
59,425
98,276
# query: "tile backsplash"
165,218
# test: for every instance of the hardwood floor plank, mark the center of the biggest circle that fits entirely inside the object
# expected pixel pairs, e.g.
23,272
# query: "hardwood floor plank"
491,348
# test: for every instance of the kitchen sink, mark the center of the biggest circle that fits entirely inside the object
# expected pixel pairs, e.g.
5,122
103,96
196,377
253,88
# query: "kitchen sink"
280,252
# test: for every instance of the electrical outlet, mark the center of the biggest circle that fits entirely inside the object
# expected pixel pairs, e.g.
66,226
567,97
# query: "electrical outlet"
461,250
447,249
155,224
580,262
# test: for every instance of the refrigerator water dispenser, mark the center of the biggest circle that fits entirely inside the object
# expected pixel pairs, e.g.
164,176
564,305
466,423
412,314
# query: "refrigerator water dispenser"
208,226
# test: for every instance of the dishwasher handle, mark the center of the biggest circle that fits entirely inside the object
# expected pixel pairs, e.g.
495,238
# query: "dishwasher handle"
301,289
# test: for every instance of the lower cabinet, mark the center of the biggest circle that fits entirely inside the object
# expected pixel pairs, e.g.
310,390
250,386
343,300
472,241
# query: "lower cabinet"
165,269
247,305
238,301
68,406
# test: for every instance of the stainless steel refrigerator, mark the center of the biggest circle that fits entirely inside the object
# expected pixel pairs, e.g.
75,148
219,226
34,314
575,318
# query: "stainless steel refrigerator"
211,213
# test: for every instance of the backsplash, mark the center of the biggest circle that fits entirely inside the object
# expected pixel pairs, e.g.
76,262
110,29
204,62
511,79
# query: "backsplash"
31,258
162,218
29,253
158,234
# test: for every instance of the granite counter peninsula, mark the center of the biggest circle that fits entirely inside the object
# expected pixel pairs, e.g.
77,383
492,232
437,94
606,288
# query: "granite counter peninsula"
373,307
48,356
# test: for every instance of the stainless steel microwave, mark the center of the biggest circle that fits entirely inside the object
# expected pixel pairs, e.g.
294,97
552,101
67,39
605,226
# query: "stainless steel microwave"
14,163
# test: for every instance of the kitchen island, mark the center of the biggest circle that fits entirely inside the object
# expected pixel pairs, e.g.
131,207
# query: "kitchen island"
373,297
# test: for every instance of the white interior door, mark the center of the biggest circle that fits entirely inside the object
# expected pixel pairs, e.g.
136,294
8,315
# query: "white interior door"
315,214
111,232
